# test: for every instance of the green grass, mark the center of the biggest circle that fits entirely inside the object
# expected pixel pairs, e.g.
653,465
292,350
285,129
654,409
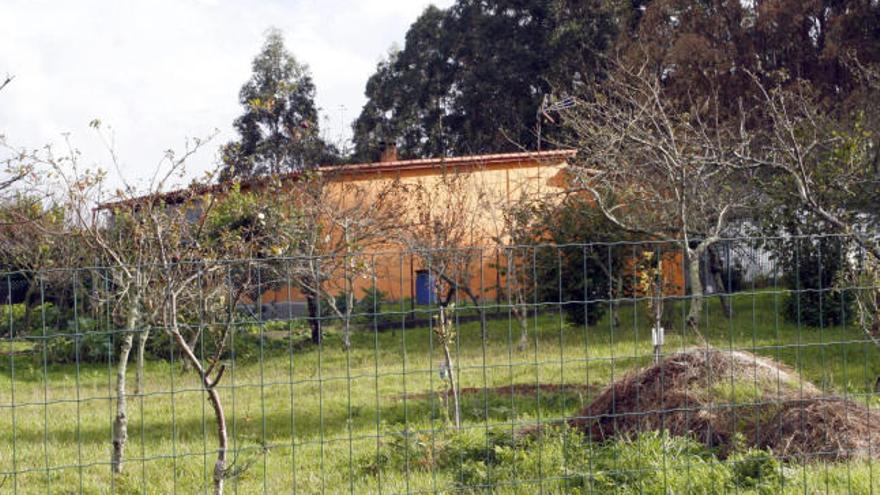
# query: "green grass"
310,419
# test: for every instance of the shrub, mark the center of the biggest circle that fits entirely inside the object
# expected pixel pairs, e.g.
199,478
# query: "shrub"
443,449
246,343
572,276
370,309
655,462
756,470
576,271
812,268
13,316
82,342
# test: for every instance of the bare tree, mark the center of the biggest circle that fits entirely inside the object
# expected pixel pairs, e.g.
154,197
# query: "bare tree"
445,333
341,220
447,233
659,167
818,157
119,233
824,156
203,274
518,231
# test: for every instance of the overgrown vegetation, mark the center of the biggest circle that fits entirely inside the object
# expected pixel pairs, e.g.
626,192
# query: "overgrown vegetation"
815,268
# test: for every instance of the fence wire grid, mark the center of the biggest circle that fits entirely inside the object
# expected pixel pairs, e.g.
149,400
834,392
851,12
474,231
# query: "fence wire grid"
578,368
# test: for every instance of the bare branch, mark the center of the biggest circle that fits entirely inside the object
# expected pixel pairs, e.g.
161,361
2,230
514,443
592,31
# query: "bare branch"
6,81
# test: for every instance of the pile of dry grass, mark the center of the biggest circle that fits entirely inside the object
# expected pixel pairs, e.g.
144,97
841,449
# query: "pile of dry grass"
714,395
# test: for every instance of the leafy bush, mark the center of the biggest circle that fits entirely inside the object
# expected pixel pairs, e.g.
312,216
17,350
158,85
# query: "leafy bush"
14,317
812,268
245,345
82,342
93,348
575,272
370,309
812,264
425,450
756,470
573,276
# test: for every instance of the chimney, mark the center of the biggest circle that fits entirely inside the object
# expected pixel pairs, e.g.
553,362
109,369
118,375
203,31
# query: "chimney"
388,150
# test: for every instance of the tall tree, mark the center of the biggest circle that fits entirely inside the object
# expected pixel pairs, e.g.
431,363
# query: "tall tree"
712,45
471,78
278,131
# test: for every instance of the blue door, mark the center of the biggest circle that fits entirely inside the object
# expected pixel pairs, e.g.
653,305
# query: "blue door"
426,293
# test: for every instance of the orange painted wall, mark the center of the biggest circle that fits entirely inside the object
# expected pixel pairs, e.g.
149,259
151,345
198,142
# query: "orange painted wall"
393,266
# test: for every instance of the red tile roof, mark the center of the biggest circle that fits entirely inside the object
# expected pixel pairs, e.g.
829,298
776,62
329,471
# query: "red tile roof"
180,195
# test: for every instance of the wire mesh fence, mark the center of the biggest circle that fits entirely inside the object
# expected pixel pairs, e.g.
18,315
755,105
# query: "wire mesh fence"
580,368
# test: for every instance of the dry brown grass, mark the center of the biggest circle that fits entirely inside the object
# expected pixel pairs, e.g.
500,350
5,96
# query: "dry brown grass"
714,395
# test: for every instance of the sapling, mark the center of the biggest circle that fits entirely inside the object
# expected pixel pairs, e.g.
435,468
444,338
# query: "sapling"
445,333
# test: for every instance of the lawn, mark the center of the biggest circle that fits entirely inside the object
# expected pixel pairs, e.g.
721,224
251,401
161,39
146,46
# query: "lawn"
310,419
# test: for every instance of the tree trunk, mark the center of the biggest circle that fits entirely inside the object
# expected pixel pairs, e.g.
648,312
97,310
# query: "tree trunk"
28,309
120,423
521,313
446,334
522,318
455,287
657,306
723,296
615,290
213,396
484,328
696,307
141,351
349,309
61,306
193,342
314,318
716,267
456,406
346,333
220,464
615,302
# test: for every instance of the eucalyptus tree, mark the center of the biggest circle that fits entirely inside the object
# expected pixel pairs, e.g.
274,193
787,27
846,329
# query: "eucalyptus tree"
471,78
278,130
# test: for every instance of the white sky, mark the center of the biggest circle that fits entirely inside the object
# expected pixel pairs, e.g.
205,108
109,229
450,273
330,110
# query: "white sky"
159,71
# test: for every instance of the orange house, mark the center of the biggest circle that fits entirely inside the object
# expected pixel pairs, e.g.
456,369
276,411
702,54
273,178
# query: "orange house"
491,184
497,180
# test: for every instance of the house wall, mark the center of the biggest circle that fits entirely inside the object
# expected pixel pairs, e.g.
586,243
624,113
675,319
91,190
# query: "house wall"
490,189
